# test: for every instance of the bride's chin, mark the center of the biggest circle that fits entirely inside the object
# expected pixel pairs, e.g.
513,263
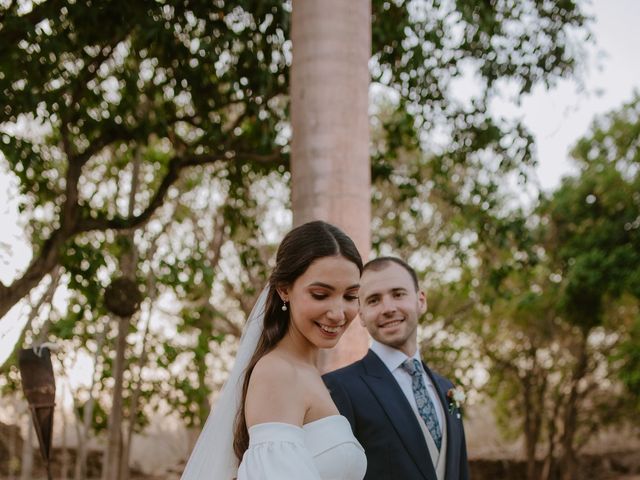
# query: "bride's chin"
326,343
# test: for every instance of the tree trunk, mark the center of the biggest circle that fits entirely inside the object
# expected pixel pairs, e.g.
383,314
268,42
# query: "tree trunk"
49,255
26,464
548,469
45,299
64,461
114,464
111,462
13,452
330,169
569,457
126,451
531,427
135,397
534,386
36,271
84,429
83,436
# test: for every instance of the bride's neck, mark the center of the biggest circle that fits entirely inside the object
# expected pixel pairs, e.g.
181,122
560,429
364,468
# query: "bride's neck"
299,348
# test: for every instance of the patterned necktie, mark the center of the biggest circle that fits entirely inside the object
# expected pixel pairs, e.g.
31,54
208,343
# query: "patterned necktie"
425,406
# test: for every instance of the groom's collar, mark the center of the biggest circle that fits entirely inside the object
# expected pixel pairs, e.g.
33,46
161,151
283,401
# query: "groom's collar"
391,357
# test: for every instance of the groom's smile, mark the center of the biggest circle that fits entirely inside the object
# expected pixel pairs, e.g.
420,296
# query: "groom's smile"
391,323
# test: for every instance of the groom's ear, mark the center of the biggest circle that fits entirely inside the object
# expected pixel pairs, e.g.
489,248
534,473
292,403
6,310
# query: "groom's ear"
422,302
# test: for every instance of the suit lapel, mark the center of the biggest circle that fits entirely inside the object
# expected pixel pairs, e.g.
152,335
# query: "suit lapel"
385,388
451,437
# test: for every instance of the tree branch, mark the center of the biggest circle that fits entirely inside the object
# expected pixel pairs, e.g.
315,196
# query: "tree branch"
72,223
176,165
46,298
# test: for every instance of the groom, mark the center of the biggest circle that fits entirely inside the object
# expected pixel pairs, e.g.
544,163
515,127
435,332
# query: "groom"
397,407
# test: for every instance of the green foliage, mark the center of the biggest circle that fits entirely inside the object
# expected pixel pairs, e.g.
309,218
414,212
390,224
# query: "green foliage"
419,47
150,65
440,163
83,260
102,87
100,420
169,84
554,297
194,95
596,219
629,357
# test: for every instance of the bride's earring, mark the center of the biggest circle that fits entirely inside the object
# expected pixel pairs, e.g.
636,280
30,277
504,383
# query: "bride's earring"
284,305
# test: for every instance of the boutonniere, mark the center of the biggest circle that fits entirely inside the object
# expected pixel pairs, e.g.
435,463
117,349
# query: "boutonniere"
456,398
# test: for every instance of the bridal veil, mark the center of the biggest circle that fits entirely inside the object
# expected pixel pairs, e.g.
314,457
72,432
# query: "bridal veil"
213,457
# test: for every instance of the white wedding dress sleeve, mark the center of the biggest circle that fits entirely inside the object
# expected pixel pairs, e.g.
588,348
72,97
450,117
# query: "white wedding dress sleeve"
277,451
213,457
324,449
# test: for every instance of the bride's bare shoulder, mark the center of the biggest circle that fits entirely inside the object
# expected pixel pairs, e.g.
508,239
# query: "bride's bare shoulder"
275,393
275,366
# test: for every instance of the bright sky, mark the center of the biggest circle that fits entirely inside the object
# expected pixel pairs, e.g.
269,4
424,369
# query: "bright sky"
561,116
557,118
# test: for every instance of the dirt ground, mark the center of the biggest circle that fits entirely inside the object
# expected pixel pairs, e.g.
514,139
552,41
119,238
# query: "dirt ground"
618,465
613,466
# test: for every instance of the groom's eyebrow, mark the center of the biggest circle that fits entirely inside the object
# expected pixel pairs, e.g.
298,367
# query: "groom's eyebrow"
331,287
371,296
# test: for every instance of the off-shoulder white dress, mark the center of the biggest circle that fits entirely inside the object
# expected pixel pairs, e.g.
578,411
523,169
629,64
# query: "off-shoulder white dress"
321,450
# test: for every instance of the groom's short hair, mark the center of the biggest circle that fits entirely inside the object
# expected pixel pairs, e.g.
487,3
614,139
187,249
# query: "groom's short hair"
381,263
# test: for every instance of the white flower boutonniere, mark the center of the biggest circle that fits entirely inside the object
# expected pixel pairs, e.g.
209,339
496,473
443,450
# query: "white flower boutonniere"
456,398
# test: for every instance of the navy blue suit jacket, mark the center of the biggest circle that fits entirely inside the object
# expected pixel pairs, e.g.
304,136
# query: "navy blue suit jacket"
381,418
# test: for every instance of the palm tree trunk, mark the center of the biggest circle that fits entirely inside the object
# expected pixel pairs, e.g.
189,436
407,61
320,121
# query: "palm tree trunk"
330,168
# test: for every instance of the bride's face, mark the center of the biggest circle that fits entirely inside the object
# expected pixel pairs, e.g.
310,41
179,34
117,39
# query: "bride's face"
324,300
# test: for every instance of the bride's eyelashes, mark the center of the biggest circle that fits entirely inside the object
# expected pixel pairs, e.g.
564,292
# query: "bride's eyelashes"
321,296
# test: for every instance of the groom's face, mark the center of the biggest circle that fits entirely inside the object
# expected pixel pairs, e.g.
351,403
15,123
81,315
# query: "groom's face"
390,307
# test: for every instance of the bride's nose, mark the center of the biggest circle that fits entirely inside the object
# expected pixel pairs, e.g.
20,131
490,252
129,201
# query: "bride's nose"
336,313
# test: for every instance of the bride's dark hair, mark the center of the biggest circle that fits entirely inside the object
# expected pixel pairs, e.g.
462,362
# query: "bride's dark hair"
299,249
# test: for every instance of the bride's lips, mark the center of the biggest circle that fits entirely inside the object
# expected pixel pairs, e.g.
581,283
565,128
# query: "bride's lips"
330,331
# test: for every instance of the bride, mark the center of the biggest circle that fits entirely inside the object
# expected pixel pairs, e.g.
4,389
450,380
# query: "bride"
275,418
